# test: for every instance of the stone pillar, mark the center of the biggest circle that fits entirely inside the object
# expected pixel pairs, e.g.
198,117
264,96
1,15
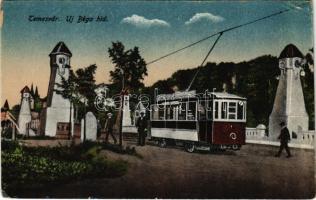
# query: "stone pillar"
261,131
91,127
289,106
127,120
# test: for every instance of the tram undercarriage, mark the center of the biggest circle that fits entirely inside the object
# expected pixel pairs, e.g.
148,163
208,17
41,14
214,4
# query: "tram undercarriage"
191,146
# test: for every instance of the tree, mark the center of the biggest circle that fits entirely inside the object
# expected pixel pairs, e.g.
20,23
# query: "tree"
15,110
308,87
129,67
69,90
86,85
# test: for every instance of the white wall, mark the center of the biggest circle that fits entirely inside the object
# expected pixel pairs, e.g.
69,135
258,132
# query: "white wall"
59,111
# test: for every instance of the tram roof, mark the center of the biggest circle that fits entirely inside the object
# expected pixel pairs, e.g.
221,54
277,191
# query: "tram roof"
193,95
177,95
224,95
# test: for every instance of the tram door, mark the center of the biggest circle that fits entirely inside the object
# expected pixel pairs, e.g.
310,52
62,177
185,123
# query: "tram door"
204,121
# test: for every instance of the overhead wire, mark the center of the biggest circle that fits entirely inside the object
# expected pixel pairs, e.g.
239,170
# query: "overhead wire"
220,33
226,30
223,31
208,53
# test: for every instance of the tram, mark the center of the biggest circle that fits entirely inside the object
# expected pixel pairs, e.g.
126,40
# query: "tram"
212,120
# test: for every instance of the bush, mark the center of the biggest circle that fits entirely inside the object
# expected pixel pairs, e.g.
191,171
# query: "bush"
7,133
24,167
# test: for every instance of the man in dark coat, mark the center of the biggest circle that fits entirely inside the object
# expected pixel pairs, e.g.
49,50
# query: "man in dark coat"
284,138
141,125
109,128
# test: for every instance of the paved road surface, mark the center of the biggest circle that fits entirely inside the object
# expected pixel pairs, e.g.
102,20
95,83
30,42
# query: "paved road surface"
252,172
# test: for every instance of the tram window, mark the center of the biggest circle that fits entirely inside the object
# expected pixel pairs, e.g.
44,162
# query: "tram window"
240,110
182,111
175,111
154,112
170,112
216,110
209,109
232,110
224,110
191,111
245,104
161,113
202,110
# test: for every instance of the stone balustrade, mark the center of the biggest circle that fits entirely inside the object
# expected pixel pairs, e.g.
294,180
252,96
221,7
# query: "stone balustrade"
304,139
34,124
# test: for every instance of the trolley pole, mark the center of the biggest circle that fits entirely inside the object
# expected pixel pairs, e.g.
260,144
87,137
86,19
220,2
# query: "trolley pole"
213,113
314,23
155,94
121,120
84,122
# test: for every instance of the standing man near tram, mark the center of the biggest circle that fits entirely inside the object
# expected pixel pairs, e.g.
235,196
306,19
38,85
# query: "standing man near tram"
109,128
141,125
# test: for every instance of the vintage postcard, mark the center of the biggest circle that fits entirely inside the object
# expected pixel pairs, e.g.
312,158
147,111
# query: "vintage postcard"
157,99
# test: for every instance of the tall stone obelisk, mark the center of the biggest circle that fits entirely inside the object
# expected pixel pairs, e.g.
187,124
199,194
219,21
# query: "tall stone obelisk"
289,105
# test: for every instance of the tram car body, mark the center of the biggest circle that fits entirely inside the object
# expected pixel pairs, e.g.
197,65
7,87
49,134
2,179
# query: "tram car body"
214,120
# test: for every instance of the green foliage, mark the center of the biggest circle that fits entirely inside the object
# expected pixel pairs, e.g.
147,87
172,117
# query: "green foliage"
128,63
308,88
15,110
80,86
37,105
86,84
6,133
25,167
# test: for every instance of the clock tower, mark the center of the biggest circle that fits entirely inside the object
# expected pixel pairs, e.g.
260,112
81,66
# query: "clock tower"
289,106
58,108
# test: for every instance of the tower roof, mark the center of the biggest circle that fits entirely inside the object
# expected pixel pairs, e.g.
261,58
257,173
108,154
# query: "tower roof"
61,48
32,89
36,92
25,90
291,51
5,107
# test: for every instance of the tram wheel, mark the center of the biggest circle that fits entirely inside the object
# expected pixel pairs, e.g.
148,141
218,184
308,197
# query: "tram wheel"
189,147
235,147
222,148
163,143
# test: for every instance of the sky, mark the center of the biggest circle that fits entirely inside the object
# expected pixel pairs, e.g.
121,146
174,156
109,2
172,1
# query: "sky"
155,27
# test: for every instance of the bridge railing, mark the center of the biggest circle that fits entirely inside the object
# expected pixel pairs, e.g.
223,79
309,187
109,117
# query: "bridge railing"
305,139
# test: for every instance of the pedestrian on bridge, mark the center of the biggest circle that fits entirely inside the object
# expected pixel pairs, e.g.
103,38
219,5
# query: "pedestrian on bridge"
284,138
